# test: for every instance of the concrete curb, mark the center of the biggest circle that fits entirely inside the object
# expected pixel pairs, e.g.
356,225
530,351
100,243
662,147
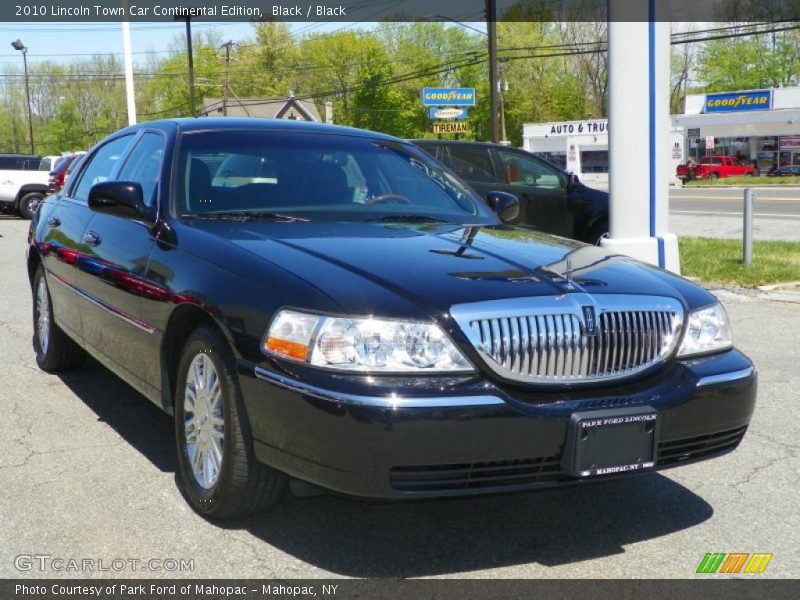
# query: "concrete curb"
789,285
777,186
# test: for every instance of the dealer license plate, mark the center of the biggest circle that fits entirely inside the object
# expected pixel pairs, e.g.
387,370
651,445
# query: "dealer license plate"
612,441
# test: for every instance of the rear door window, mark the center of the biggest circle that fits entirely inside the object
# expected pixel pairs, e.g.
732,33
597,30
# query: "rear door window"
472,163
100,166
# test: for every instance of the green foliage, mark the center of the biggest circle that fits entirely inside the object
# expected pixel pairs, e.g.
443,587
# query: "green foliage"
752,62
373,77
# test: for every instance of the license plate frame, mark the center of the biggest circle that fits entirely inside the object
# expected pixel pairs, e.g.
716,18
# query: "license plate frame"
611,441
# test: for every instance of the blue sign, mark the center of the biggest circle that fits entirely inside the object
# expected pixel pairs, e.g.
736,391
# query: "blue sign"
448,96
738,101
448,113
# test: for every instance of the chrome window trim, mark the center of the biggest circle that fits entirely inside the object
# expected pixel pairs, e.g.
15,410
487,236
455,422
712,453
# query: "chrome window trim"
570,306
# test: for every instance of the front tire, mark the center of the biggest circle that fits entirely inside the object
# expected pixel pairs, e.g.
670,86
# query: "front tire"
218,473
597,234
29,203
55,350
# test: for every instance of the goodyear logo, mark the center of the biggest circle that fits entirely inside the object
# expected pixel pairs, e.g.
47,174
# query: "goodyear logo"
738,102
734,562
448,96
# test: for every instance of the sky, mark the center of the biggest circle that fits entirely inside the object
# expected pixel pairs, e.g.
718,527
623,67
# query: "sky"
70,41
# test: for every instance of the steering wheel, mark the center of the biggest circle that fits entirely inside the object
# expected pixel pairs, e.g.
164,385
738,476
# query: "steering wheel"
388,198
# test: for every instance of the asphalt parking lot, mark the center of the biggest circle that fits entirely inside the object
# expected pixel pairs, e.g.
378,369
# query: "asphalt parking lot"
87,471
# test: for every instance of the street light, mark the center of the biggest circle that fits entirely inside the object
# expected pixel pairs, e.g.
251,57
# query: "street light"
18,45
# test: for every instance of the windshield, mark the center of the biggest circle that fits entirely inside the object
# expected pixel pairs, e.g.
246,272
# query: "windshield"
317,177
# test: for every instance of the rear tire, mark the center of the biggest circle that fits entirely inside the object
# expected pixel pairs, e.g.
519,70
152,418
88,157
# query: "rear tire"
218,472
29,203
713,176
55,350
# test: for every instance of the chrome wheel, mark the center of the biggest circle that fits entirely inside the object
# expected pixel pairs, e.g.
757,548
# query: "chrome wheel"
203,420
42,316
33,204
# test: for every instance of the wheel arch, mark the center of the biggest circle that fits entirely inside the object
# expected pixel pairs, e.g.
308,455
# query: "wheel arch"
28,188
34,260
182,322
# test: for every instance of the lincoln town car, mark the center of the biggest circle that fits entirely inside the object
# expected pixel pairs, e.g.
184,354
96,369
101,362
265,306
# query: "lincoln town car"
334,308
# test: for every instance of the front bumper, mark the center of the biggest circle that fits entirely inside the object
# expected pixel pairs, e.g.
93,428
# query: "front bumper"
429,437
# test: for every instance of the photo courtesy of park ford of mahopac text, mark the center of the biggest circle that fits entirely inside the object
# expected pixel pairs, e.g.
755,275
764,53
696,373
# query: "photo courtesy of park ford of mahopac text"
399,299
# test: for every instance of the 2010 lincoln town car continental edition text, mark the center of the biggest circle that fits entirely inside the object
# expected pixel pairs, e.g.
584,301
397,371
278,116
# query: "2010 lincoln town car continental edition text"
334,306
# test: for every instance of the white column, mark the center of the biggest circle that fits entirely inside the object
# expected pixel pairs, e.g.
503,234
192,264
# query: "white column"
639,143
126,49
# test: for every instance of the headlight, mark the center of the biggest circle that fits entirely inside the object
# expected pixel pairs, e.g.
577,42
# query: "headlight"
707,330
362,344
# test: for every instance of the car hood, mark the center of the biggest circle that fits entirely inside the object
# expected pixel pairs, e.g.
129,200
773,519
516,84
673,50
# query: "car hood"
436,266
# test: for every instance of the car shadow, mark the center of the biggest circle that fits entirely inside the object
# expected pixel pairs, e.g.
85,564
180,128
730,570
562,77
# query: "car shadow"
137,420
429,537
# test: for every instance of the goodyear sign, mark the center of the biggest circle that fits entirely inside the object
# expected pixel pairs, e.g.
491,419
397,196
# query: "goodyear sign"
448,96
448,113
738,101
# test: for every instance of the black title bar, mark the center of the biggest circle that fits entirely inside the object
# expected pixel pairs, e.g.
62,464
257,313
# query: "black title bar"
398,10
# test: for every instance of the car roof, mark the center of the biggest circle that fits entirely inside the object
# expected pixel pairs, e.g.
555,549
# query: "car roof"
422,142
258,124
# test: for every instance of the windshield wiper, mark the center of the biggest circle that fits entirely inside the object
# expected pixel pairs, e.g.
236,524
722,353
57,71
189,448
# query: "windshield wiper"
411,218
242,216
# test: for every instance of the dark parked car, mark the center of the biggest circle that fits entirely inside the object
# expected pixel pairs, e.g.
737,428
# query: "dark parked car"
550,199
352,316
785,171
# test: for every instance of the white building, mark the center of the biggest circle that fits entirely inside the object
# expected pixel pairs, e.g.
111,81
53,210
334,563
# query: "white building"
582,147
759,126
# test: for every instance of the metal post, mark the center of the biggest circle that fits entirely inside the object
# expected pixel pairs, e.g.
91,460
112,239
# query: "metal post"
130,96
747,251
491,29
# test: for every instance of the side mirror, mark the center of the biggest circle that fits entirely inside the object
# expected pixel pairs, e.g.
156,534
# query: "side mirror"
119,198
504,205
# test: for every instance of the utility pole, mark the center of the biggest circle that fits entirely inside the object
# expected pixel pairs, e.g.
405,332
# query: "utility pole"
227,45
186,16
501,87
491,29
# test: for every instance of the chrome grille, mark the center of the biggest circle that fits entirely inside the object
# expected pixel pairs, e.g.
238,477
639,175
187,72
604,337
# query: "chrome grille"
572,338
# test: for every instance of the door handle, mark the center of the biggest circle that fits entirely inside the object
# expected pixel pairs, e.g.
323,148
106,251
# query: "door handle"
90,238
54,221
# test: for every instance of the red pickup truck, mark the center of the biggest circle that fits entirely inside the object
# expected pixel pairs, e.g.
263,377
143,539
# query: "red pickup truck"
711,167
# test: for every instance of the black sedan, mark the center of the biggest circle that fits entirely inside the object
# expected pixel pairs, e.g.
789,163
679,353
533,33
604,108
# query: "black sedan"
332,306
551,200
